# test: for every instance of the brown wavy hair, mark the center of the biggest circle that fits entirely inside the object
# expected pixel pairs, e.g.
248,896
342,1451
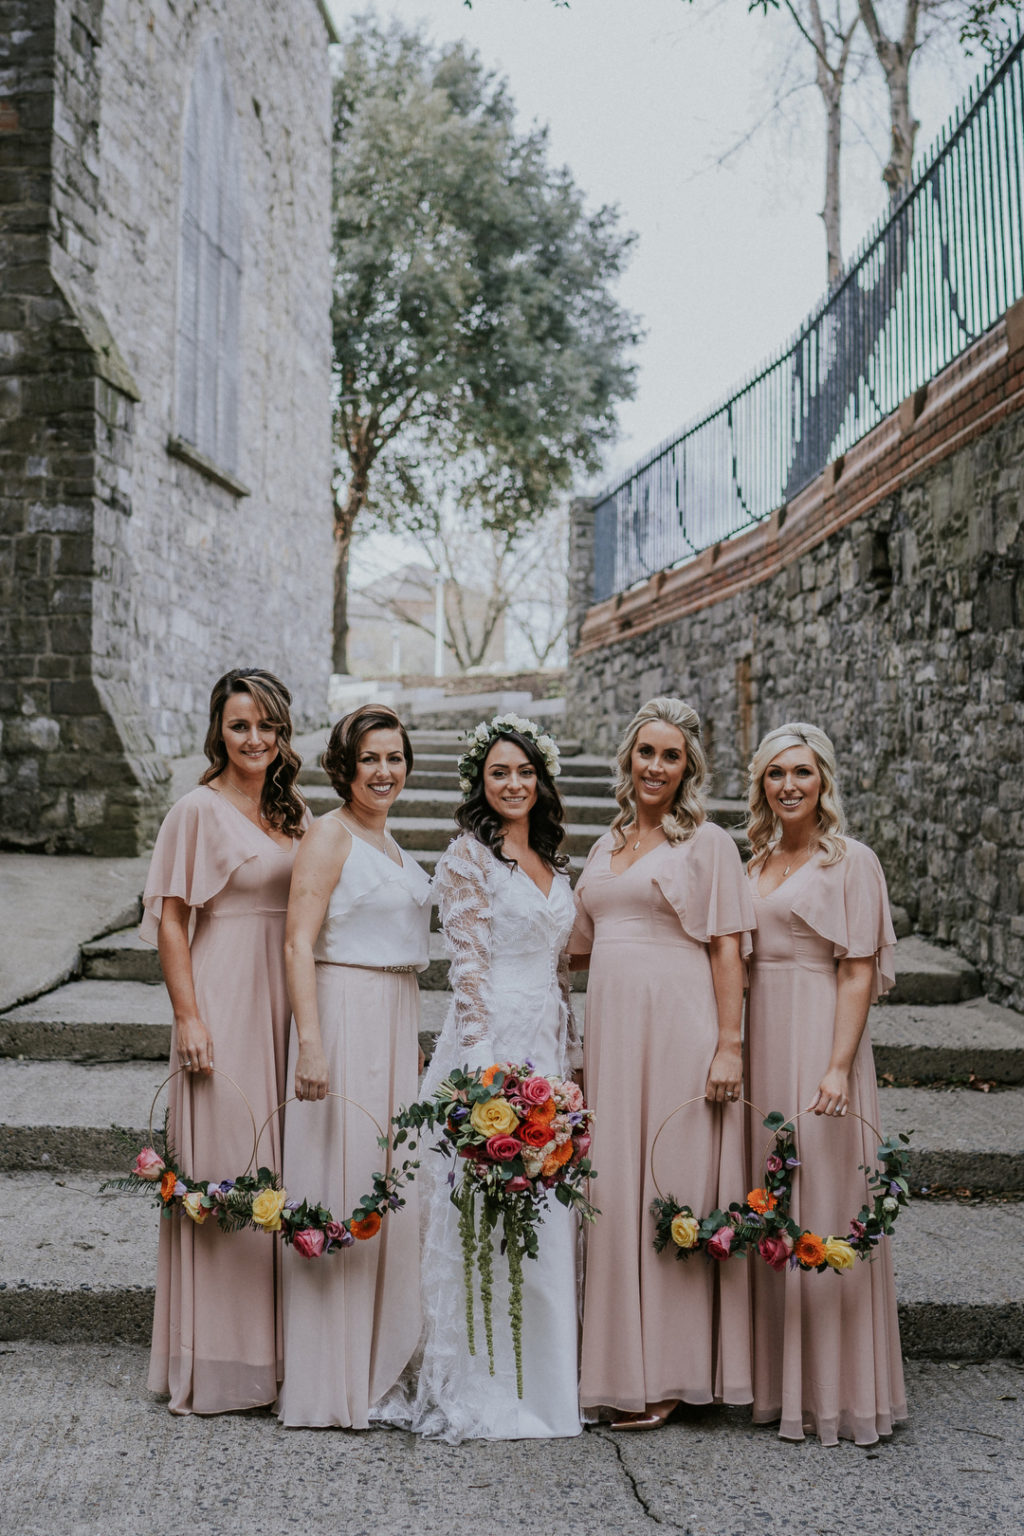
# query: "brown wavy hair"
687,810
281,805
762,824
339,760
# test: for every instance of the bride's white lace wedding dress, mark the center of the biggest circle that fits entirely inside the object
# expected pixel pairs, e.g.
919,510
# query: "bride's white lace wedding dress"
505,939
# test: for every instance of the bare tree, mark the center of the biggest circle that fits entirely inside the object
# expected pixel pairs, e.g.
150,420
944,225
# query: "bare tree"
489,575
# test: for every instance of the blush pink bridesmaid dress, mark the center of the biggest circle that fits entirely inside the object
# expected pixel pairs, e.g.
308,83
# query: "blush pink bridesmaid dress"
656,1328
216,1326
826,1346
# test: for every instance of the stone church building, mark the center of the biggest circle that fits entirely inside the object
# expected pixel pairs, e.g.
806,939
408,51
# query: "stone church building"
165,445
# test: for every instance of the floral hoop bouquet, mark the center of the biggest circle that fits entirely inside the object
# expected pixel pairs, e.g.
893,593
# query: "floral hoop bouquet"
521,1137
258,1200
762,1221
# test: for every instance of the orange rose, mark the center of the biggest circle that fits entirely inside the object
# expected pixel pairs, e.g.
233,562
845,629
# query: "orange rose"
367,1226
542,1114
760,1201
555,1159
810,1250
167,1184
534,1133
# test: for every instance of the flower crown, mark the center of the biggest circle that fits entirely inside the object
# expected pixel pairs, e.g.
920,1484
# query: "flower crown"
478,744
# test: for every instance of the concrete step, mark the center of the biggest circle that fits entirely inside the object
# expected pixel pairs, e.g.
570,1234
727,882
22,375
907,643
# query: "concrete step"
927,974
79,1266
440,805
56,1114
91,1021
121,956
948,1041
962,1139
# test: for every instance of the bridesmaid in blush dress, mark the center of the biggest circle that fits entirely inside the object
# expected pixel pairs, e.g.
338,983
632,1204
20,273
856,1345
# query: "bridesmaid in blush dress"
215,903
358,932
664,914
826,1347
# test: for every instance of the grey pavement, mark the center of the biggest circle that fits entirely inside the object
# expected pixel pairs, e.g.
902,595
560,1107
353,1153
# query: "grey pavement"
87,1451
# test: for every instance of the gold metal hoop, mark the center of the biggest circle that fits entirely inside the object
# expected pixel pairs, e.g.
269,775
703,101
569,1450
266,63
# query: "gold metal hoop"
295,1100
850,1113
216,1072
698,1098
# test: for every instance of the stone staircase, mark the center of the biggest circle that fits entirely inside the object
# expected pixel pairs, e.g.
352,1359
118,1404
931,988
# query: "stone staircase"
76,1264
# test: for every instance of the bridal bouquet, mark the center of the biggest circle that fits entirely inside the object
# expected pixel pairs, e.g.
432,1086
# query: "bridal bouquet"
518,1137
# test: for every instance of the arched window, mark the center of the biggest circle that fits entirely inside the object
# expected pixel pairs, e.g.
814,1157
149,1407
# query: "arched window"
211,267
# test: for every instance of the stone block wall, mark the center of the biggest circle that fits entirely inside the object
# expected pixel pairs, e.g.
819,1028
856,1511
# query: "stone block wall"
886,605
130,579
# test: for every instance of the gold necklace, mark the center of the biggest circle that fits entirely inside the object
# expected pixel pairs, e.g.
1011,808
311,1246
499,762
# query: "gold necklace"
243,796
642,835
371,833
803,855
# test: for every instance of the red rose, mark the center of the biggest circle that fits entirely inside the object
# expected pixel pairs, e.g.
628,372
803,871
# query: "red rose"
533,1134
517,1185
309,1242
503,1148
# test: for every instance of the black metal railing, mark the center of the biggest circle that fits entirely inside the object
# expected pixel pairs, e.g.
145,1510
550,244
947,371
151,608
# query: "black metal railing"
928,281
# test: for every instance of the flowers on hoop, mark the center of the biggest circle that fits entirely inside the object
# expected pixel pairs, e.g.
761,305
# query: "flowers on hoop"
478,743
520,1136
258,1200
762,1222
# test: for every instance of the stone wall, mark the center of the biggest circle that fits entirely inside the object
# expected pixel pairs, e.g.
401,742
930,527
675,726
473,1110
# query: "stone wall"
129,578
886,605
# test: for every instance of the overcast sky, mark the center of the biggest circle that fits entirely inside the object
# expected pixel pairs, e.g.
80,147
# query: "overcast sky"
643,98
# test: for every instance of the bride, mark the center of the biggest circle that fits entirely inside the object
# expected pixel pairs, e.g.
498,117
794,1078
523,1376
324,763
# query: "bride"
507,911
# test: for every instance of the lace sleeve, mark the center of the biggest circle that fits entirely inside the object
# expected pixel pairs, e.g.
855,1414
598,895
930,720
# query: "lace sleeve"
465,905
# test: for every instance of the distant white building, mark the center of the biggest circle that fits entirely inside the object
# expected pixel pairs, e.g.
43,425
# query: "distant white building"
392,625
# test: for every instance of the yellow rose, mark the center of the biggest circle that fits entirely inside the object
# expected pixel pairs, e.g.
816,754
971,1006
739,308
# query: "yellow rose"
496,1117
193,1203
685,1230
267,1208
839,1254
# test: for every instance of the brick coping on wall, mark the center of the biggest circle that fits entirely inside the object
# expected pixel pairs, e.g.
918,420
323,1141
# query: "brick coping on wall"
983,385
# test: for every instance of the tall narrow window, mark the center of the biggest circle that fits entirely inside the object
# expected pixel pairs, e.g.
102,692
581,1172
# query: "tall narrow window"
211,266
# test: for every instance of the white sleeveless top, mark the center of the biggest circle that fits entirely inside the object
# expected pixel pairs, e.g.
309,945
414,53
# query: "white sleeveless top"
378,914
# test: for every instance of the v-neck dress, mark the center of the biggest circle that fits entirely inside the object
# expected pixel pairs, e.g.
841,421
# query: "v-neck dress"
505,938
826,1347
656,1328
352,1319
216,1325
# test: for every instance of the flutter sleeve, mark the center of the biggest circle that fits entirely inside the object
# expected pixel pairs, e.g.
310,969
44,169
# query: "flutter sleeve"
703,881
848,904
462,888
197,851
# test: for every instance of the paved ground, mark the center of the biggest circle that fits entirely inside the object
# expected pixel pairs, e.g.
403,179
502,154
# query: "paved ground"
86,1451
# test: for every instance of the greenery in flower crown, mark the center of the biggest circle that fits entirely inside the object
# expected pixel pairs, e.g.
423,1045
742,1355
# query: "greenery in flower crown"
257,1200
762,1222
478,744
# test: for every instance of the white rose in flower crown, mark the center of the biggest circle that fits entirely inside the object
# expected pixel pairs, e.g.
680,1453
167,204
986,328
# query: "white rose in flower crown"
890,1204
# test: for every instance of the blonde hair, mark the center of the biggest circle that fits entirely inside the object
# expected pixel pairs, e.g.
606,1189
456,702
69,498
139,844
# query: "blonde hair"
687,810
762,823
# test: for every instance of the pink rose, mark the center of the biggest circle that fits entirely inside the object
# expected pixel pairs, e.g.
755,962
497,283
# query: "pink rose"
775,1251
580,1146
148,1164
719,1245
535,1090
335,1232
518,1185
857,1230
503,1148
773,1163
309,1242
572,1098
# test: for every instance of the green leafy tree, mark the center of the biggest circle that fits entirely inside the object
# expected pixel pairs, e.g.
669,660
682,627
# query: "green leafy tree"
476,336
